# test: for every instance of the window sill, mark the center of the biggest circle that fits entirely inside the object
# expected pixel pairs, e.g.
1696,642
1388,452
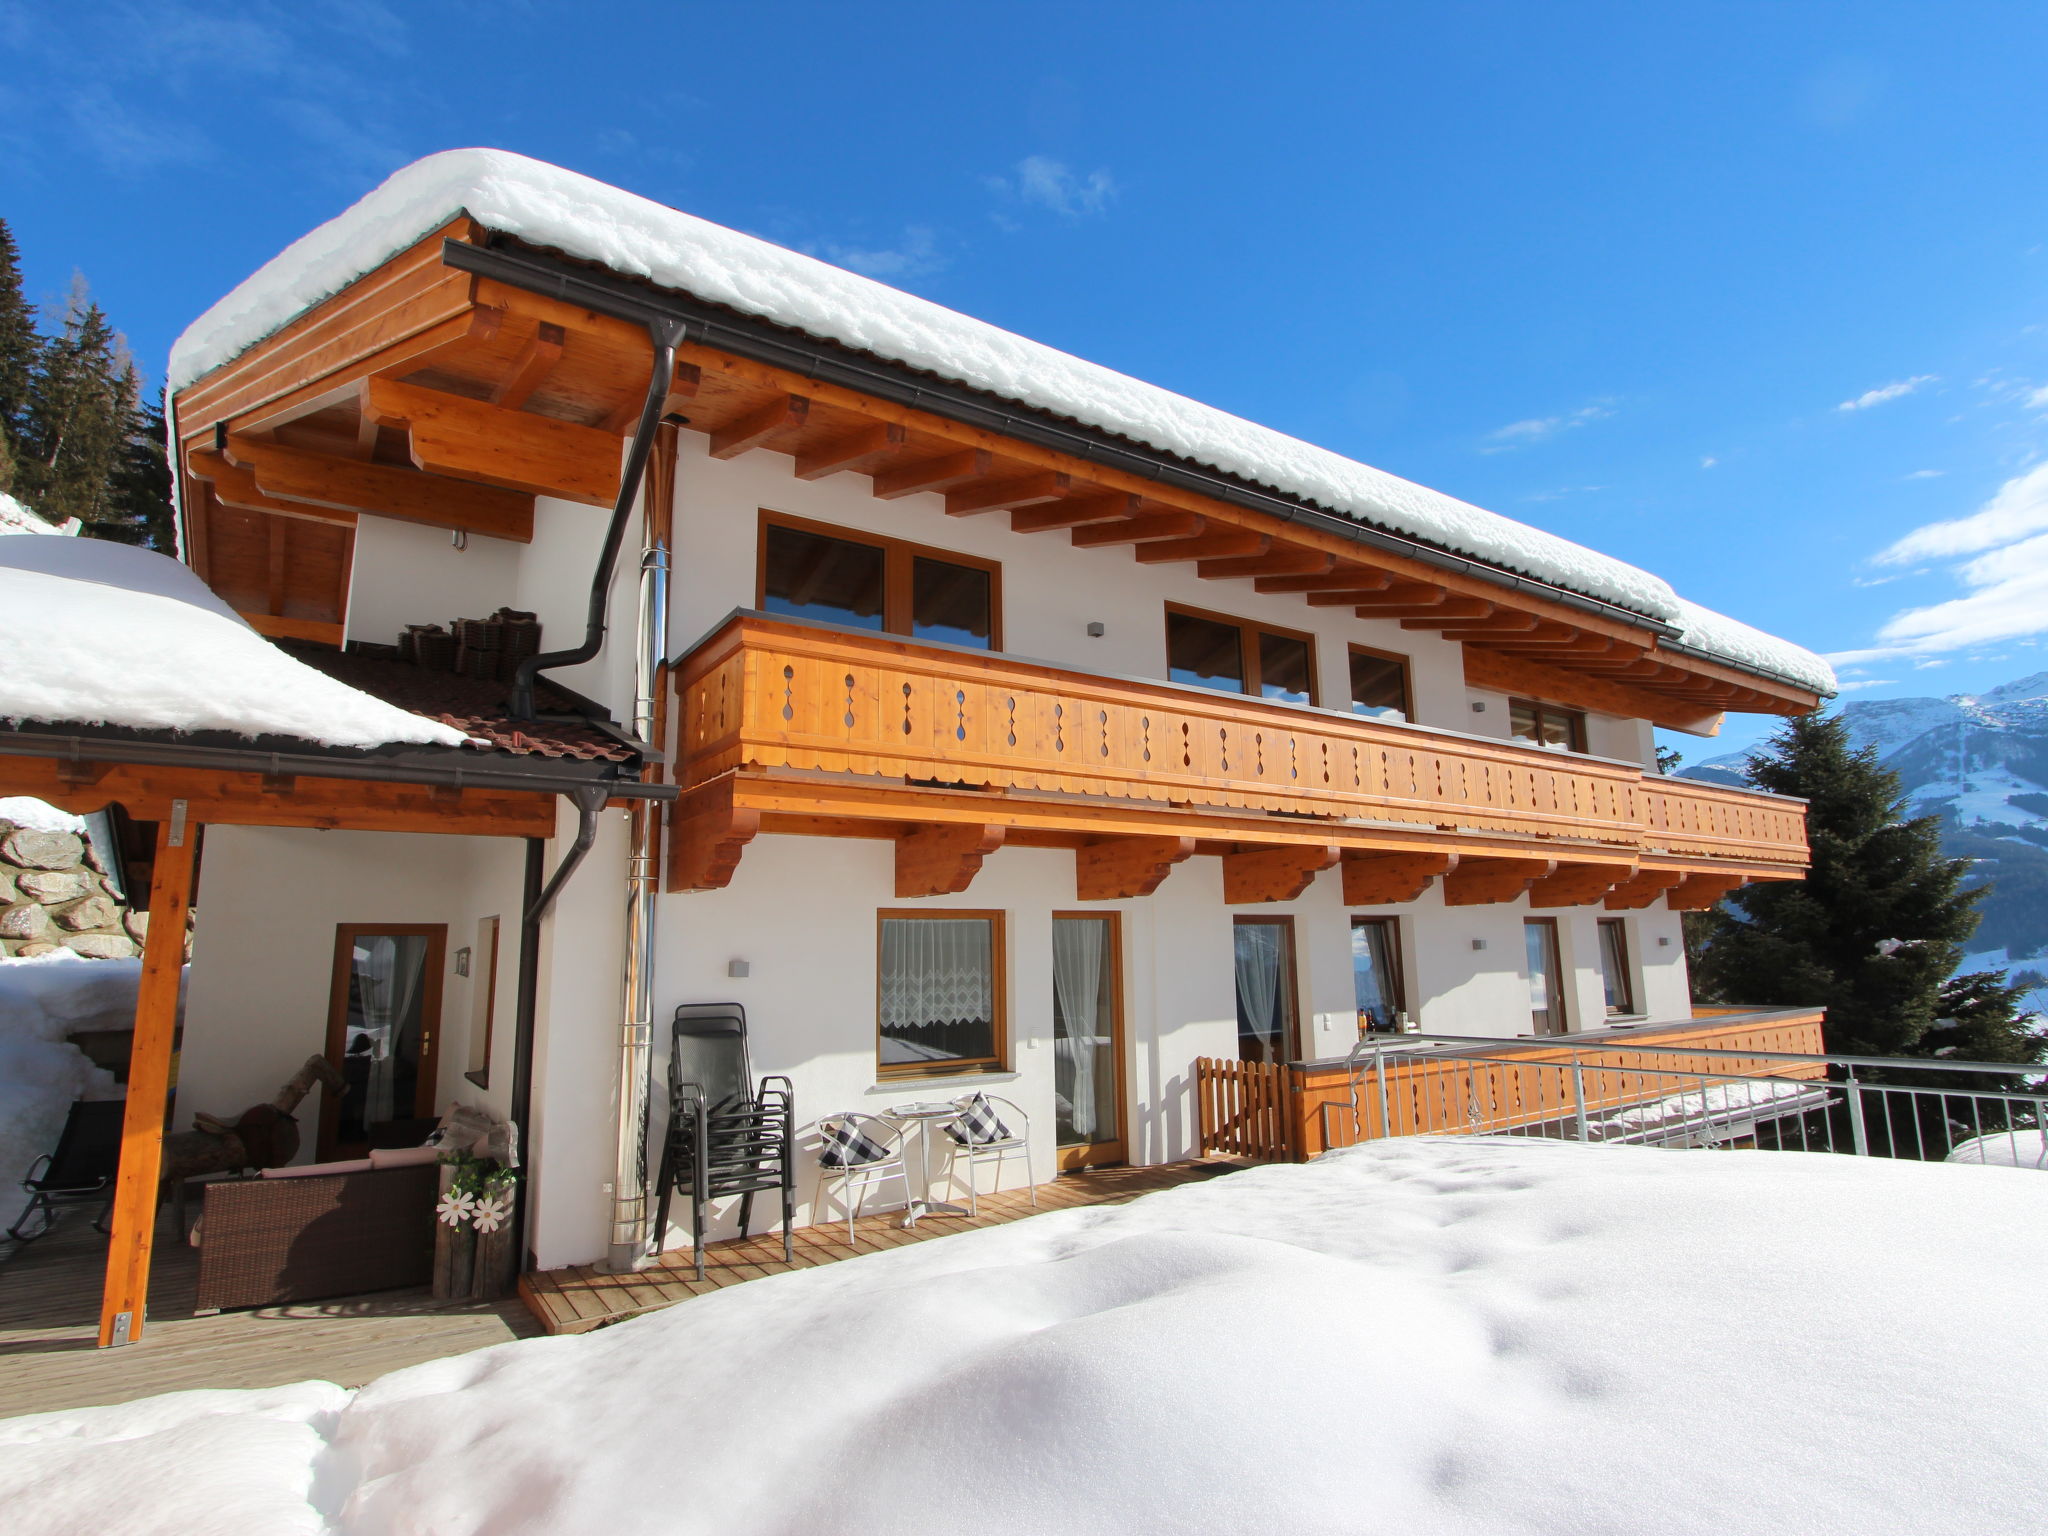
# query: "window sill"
942,1081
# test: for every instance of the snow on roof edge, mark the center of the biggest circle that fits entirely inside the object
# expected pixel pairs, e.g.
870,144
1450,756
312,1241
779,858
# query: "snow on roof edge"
636,237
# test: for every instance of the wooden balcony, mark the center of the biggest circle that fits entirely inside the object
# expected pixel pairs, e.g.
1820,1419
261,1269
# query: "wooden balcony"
820,728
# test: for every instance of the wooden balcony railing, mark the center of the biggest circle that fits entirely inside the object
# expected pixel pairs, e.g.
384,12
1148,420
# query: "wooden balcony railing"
772,693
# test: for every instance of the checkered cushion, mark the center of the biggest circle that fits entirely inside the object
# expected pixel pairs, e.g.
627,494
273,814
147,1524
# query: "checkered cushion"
846,1147
978,1125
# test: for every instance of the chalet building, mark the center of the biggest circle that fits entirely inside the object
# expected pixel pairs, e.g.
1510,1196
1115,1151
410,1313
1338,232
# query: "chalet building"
991,720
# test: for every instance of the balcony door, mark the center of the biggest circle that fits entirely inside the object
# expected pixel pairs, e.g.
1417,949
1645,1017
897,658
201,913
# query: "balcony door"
1087,1038
383,1032
1266,1013
1546,976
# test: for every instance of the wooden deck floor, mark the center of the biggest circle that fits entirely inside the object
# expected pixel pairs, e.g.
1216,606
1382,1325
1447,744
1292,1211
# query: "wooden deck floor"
578,1300
49,1324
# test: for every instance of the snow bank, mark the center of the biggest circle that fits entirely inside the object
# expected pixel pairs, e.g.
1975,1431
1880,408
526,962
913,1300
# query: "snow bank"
106,634
16,518
548,206
38,815
2003,1149
1732,640
42,1002
1437,1338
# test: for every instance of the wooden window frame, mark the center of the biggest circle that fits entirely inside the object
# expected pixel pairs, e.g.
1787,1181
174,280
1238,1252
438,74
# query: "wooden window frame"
1575,717
1294,1051
1099,1154
481,1076
999,1026
1562,1022
1248,631
1631,1005
1407,679
899,557
436,935
1394,958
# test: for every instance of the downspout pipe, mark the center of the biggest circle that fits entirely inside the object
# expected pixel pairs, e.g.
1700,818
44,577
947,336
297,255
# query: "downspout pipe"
668,333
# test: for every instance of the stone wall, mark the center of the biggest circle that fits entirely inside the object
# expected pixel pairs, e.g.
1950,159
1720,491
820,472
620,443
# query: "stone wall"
54,895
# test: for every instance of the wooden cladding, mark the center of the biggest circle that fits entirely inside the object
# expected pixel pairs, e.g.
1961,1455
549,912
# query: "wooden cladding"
771,694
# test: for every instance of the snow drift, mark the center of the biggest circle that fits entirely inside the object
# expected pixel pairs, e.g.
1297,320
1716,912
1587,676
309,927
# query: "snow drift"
42,1002
1437,1338
551,207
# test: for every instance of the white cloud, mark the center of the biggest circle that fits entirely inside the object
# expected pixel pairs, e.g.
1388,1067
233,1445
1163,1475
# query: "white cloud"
1927,474
1875,682
1519,434
2038,399
1897,389
915,255
1708,461
2017,509
1053,184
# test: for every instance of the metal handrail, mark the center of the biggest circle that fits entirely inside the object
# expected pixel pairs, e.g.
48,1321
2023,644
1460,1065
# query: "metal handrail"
1566,1042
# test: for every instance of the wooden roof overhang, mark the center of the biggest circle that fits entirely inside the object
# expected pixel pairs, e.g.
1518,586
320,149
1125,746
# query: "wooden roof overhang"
467,375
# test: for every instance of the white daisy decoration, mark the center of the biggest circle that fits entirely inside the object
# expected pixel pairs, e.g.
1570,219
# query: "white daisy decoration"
455,1208
492,1213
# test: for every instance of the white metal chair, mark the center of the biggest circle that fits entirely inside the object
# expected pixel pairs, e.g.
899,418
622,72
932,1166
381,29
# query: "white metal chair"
853,1179
1015,1144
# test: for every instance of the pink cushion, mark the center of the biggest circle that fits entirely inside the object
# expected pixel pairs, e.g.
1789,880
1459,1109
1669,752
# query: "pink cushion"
402,1157
315,1170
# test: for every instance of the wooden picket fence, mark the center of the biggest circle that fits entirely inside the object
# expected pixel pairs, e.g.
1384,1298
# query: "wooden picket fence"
1247,1109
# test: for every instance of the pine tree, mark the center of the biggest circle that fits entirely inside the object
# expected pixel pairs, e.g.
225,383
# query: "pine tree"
1877,926
141,490
78,413
18,348
1980,1020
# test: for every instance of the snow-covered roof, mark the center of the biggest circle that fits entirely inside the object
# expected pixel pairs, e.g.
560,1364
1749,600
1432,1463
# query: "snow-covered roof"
548,206
16,518
98,633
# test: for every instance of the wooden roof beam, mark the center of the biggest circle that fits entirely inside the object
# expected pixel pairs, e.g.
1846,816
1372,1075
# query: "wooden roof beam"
516,450
1341,577
534,364
1283,561
1139,530
409,495
939,474
1007,495
1486,627
1212,543
757,426
858,451
1074,512
236,487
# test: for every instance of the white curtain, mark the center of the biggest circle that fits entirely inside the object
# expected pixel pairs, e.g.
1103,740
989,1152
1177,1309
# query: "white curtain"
1258,982
391,970
1079,948
935,971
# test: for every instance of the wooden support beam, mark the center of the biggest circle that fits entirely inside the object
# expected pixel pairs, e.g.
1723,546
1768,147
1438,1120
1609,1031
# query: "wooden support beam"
1578,885
278,627
1384,879
757,426
1696,893
1123,868
1007,495
126,1294
859,451
235,487
1451,615
1418,595
707,833
1138,530
1642,888
273,536
1074,512
1478,882
1485,626
1353,597
409,495
1339,578
939,474
1211,544
1275,874
1283,561
942,860
494,445
531,368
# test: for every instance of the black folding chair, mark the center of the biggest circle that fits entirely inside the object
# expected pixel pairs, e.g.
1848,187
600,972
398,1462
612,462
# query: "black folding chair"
80,1172
726,1135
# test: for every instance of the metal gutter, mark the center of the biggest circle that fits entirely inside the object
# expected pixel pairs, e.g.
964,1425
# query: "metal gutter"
762,342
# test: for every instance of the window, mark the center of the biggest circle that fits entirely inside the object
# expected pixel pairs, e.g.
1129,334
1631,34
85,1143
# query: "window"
1547,725
1376,974
1210,651
940,993
483,1002
1379,684
1087,1038
1621,992
383,1025
814,571
1546,980
1264,951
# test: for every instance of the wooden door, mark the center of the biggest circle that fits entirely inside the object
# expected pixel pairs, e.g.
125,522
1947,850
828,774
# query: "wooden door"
383,1033
1546,977
1088,1038
1267,1013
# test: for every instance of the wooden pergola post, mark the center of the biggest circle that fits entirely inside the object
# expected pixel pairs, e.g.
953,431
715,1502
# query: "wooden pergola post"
149,1082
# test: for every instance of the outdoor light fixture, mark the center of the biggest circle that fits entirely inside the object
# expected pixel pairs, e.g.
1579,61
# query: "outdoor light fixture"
1479,943
1096,629
1479,706
738,968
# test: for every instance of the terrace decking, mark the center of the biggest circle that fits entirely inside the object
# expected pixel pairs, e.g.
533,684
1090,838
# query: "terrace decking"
577,1300
50,1298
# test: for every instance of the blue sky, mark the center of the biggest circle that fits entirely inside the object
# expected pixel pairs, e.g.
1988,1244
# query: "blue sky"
1755,296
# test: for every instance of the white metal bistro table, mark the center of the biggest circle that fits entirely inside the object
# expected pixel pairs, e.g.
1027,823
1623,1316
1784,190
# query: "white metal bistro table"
929,1114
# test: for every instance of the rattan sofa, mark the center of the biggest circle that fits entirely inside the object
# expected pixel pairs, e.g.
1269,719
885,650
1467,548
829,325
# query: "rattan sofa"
266,1241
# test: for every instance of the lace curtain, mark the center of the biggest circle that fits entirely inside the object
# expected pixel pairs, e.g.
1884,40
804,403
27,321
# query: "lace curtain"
1080,947
938,993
